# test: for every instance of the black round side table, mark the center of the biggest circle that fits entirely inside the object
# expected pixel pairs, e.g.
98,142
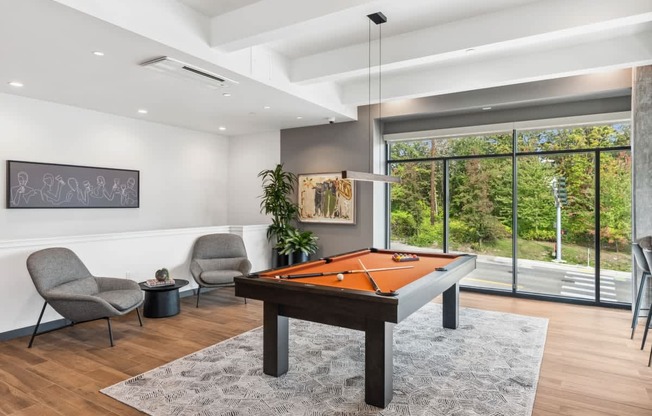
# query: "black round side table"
162,301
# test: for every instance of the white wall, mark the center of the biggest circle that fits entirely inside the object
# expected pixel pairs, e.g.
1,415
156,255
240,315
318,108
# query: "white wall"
183,173
248,155
190,182
135,255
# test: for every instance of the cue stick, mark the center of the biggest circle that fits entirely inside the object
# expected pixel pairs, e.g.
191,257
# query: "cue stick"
381,269
373,282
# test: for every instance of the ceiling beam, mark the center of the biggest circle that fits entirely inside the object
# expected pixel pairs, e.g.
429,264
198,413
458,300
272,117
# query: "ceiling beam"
621,52
507,28
269,20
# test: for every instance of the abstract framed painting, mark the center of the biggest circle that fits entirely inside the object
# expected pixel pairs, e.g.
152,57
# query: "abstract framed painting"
326,198
51,185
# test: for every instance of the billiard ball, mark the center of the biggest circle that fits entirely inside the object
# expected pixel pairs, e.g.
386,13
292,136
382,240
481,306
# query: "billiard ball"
340,277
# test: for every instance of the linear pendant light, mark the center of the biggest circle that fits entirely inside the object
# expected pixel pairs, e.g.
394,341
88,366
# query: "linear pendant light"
378,18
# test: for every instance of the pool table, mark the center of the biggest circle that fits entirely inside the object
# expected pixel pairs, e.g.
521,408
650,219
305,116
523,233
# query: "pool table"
354,303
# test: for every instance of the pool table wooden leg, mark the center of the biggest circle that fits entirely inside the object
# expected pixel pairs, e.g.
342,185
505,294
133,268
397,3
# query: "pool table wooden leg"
451,307
275,341
379,365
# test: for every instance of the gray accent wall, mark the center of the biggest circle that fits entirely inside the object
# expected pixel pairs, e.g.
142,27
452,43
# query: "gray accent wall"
334,148
642,167
642,149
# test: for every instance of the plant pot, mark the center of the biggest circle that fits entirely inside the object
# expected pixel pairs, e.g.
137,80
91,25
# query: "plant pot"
299,257
280,260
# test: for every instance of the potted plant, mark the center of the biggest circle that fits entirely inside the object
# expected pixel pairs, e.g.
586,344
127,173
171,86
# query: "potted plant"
278,187
299,245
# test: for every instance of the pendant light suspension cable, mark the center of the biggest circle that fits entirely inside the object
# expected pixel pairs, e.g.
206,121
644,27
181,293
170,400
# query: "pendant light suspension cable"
378,18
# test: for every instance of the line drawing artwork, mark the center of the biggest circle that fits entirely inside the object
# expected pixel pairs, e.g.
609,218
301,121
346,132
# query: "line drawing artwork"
326,198
22,193
48,192
68,186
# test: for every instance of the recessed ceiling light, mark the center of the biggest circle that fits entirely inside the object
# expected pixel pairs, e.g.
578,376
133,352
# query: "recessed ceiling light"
222,128
227,94
142,111
98,53
16,84
267,107
486,108
299,118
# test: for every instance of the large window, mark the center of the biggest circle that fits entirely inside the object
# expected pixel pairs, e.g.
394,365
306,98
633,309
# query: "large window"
547,211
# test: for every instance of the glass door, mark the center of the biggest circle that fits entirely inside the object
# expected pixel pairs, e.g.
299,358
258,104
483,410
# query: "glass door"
556,224
480,218
615,226
417,207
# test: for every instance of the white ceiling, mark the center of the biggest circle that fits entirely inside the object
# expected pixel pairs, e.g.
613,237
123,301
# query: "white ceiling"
303,58
212,8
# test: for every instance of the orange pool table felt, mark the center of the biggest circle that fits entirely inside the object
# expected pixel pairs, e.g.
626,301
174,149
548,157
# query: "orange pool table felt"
391,280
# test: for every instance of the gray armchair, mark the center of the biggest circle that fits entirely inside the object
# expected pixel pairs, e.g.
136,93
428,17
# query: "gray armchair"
217,259
66,284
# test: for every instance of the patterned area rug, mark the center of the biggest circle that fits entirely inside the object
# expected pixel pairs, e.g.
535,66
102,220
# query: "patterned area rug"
489,366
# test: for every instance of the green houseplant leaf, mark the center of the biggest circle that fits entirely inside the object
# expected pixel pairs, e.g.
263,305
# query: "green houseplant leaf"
278,187
299,241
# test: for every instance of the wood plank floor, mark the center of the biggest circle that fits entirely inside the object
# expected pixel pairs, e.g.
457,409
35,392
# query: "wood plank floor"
590,366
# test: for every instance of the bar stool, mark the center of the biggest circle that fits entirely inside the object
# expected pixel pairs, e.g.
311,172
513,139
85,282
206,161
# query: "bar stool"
643,265
648,256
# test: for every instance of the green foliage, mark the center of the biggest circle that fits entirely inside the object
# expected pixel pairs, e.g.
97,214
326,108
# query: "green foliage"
615,199
481,189
428,236
403,224
278,186
299,241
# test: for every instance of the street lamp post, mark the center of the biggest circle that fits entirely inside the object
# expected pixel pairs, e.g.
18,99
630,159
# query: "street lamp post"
558,186
558,256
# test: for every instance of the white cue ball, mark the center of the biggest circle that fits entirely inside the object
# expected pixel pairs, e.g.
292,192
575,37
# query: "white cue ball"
340,277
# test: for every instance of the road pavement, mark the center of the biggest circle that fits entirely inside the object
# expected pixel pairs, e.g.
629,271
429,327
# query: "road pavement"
547,278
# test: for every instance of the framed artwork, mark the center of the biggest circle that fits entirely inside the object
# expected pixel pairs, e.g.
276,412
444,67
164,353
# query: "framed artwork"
326,198
49,185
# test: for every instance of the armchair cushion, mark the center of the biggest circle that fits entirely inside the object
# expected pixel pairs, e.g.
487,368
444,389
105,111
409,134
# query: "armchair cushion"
114,283
122,299
234,264
84,286
218,277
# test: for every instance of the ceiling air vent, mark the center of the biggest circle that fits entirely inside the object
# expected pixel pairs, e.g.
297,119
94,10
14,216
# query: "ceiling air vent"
180,69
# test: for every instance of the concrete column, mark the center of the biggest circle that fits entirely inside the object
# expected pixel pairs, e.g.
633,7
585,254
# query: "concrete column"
642,164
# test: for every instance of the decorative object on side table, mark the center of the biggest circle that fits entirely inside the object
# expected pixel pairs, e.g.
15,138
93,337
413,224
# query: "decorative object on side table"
162,274
162,278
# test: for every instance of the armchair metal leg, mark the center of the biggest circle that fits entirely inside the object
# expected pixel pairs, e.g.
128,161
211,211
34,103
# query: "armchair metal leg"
649,361
637,306
139,319
245,300
647,327
31,340
198,290
108,320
